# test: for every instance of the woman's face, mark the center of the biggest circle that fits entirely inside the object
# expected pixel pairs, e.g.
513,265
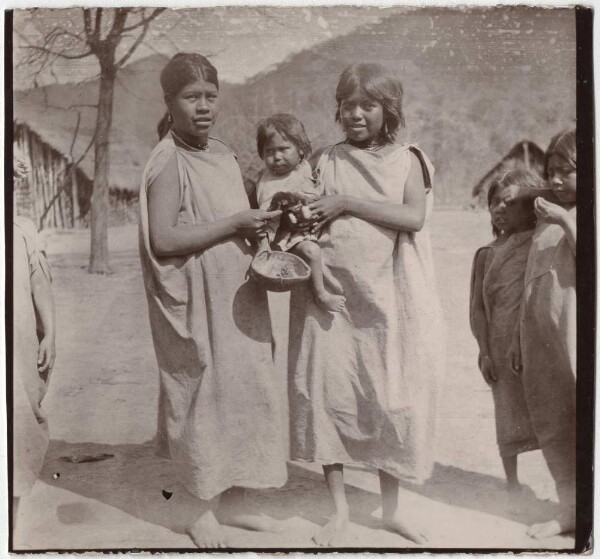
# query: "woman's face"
280,155
563,179
511,216
194,110
361,117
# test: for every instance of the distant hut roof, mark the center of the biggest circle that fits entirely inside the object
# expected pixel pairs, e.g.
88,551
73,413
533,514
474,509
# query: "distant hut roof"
51,140
56,193
523,154
53,113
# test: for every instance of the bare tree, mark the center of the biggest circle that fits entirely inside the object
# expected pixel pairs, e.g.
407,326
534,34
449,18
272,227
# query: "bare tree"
99,33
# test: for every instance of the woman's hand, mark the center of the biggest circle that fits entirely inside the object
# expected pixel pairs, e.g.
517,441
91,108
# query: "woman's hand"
46,355
514,357
549,212
251,223
327,209
487,369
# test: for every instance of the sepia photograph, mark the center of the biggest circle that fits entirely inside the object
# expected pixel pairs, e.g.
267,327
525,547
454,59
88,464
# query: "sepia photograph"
300,278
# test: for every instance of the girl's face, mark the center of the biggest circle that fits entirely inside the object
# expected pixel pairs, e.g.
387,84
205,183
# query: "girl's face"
194,110
361,117
509,217
563,179
280,155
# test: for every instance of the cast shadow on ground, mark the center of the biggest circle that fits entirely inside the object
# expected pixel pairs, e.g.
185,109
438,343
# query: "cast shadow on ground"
133,481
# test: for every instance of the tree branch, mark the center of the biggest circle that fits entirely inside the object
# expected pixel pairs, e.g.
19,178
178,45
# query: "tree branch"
118,25
56,54
145,21
131,50
72,167
70,172
87,25
58,32
97,23
75,135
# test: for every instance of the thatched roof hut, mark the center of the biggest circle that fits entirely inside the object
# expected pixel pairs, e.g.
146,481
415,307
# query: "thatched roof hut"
525,155
64,115
56,192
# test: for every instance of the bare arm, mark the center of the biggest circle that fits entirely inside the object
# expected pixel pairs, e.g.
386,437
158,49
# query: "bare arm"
553,213
43,300
408,216
479,323
570,228
170,239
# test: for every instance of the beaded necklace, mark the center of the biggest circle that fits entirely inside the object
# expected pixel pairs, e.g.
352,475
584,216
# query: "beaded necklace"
374,145
203,148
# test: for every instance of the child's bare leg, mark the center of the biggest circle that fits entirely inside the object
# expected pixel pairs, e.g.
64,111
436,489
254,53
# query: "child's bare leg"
234,511
310,252
205,531
560,457
332,534
564,524
397,520
510,469
331,281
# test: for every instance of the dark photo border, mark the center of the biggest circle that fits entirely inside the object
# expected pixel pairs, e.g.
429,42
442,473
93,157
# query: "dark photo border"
586,311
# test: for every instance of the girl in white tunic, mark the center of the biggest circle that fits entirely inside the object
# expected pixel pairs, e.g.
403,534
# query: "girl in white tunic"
365,382
219,414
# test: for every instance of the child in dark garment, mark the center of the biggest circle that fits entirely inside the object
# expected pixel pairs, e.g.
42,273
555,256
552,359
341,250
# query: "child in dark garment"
497,284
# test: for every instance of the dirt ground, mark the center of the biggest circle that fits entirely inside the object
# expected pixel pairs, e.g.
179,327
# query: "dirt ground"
103,399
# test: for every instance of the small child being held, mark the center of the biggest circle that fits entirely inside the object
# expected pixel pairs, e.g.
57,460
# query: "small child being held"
287,184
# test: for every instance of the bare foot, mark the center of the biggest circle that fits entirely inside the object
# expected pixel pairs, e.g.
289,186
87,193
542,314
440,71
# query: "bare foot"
406,529
234,511
251,521
332,534
565,523
329,302
514,488
206,532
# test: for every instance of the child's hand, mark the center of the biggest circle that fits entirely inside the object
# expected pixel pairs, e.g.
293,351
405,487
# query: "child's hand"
514,357
487,369
264,247
299,222
46,355
549,212
251,223
327,209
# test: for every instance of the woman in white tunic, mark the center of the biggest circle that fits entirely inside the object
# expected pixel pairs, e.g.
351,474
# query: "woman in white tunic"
365,382
219,415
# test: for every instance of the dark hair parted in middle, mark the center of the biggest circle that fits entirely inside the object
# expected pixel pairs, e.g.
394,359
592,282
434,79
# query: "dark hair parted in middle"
523,179
185,68
289,127
379,84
